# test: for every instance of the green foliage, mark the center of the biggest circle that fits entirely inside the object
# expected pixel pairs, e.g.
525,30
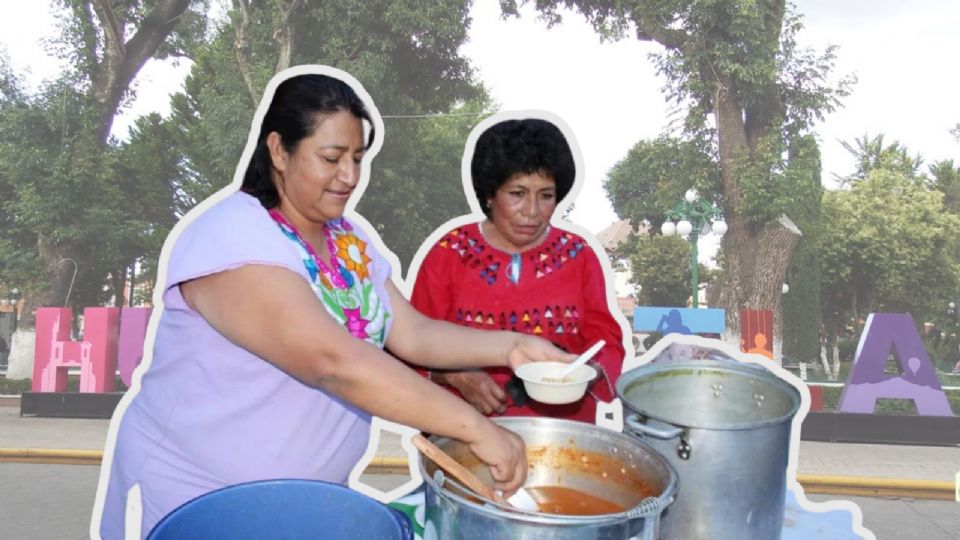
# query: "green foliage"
945,178
749,93
70,193
81,40
872,154
888,247
14,387
831,403
655,174
801,309
660,268
416,184
109,205
406,55
942,345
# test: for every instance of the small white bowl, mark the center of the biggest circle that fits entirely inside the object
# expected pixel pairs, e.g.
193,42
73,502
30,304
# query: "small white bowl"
554,393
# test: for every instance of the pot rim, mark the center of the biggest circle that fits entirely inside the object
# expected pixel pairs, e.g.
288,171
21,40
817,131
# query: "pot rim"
649,507
651,370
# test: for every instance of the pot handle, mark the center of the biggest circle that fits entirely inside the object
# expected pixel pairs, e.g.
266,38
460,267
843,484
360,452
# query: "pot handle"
634,424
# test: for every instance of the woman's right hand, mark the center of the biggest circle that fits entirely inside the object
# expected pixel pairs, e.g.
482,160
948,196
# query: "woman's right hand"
477,388
504,452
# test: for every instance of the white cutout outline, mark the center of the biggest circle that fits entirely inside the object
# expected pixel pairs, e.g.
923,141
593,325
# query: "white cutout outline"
796,424
556,221
203,206
406,432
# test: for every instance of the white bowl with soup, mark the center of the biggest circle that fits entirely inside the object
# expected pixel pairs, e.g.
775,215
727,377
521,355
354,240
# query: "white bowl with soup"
543,382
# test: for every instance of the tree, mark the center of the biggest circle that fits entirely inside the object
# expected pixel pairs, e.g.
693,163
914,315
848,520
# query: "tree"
655,174
111,41
407,56
58,160
149,175
890,247
802,318
660,268
871,153
735,63
945,178
651,178
106,204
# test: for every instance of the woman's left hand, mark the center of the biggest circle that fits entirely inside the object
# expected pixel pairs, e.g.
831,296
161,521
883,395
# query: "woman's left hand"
527,349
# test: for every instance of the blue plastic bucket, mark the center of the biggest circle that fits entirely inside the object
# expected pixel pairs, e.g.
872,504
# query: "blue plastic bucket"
283,510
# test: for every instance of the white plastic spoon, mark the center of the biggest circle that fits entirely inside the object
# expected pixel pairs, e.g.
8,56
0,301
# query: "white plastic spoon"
581,360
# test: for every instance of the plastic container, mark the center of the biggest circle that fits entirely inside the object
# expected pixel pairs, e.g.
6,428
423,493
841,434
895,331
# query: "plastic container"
284,509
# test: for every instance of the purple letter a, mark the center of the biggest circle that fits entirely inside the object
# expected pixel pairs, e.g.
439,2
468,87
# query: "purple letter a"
917,379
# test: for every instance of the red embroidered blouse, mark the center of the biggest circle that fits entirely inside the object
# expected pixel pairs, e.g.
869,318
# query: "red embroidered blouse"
560,295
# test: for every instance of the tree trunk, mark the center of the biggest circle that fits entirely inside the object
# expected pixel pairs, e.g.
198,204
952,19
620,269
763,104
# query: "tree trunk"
755,258
116,63
241,47
824,362
284,35
62,266
122,60
118,280
836,360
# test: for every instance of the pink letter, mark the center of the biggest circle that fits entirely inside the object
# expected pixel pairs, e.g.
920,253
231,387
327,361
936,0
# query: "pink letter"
133,330
96,355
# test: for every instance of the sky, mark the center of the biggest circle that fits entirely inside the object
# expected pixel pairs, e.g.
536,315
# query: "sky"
901,52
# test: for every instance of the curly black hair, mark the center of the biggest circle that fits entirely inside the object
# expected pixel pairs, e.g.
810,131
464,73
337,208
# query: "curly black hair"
293,114
514,147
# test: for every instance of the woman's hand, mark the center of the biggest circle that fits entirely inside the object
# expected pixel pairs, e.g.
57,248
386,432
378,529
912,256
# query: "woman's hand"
533,349
477,388
504,452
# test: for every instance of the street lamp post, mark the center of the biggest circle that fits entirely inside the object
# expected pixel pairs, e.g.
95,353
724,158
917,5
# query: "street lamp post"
953,311
694,217
8,327
13,300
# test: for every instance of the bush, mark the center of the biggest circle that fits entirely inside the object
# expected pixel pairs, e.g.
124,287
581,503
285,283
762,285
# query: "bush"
13,387
831,403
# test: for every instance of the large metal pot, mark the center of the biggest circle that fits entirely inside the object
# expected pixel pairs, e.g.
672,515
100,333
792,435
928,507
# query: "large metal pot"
604,463
725,427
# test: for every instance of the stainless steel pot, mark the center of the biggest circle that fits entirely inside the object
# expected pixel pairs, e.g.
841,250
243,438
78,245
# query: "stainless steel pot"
725,428
610,465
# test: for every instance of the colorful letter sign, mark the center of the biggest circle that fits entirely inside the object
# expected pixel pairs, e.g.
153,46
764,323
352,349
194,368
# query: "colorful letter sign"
917,379
133,331
109,335
55,353
668,320
756,332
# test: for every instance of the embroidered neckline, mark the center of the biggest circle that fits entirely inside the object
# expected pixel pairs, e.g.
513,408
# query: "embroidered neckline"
539,243
342,278
556,249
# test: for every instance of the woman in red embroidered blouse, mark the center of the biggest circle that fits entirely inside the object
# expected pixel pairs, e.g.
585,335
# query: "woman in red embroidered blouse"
514,271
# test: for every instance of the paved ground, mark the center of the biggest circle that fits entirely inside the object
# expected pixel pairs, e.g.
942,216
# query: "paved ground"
884,461
51,502
54,502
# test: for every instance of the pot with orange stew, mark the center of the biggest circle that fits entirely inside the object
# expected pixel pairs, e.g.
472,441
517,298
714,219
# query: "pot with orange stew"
590,483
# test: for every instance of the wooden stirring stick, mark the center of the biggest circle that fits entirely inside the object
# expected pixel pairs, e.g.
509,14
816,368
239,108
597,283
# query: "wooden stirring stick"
453,468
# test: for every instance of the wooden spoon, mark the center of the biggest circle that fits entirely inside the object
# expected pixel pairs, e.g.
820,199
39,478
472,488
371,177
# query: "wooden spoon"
454,468
521,499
